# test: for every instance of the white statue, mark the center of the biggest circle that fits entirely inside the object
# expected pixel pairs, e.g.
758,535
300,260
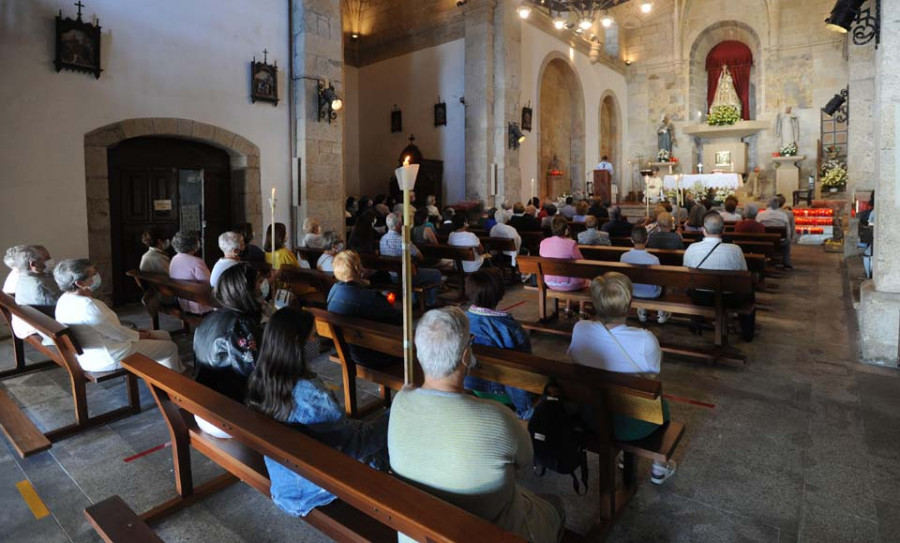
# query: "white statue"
787,127
726,95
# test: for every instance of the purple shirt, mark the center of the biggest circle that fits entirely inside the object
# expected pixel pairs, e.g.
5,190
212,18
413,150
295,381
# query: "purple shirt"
190,268
559,247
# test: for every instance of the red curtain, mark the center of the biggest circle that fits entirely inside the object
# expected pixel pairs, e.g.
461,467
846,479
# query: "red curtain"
739,59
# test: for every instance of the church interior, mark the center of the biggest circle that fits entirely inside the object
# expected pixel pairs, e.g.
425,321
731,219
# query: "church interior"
450,270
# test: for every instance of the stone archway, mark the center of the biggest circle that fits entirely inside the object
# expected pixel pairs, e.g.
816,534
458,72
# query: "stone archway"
610,141
561,122
245,178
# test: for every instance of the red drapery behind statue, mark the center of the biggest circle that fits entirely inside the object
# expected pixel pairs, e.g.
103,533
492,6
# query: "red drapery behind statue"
739,60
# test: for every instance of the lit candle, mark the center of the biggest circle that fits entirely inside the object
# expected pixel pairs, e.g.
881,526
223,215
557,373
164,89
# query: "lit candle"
272,232
532,187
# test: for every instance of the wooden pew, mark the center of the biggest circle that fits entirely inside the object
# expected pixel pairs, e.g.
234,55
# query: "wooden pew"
372,505
458,255
604,392
671,277
734,237
318,280
115,522
756,263
310,255
63,352
157,286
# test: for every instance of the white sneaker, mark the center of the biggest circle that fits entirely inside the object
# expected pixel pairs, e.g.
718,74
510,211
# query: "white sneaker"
661,472
662,317
642,315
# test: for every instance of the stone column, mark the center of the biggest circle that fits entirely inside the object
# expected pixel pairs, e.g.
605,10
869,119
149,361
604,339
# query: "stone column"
879,312
479,95
318,52
493,34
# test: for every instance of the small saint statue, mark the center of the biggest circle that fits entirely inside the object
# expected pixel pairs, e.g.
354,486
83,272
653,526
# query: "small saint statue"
665,134
787,127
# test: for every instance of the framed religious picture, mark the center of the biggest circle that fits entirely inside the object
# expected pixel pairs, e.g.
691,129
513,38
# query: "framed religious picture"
396,120
264,80
440,113
723,158
526,117
77,44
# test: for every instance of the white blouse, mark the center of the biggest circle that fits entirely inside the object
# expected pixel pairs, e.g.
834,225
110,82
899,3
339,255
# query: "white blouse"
97,328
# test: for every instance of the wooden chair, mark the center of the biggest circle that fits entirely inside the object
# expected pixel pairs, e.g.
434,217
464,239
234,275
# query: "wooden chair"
25,437
371,506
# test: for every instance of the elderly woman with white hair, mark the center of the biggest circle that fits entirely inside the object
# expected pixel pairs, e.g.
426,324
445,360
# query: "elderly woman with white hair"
103,339
35,286
504,230
332,245
774,216
463,449
232,245
187,266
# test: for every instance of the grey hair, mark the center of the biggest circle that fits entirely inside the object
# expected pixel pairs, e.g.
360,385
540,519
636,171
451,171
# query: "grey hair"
68,272
713,223
615,212
750,211
441,338
773,202
501,216
20,257
330,240
393,221
229,242
185,241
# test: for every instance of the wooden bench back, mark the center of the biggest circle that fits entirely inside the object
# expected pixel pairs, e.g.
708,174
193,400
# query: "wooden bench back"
66,346
457,254
498,244
738,282
200,292
310,254
667,257
388,500
618,392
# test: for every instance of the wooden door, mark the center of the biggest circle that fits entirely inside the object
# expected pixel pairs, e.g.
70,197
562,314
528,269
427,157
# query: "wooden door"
144,192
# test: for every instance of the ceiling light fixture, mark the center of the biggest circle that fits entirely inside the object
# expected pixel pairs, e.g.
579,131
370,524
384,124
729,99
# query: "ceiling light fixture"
606,21
585,23
646,7
524,11
559,22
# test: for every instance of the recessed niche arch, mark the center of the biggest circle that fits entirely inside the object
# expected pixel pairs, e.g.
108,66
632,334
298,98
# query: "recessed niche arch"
610,123
560,121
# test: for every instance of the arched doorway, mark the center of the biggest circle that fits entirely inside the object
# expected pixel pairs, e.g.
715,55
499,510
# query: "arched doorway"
242,176
561,111
610,134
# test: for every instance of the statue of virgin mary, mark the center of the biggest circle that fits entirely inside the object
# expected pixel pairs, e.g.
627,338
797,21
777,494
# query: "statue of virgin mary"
726,95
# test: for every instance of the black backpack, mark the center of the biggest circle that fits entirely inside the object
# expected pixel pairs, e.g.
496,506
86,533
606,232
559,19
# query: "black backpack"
558,437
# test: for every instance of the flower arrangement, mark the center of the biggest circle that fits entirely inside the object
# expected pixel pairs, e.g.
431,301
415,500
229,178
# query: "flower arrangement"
663,155
836,176
722,194
723,116
789,150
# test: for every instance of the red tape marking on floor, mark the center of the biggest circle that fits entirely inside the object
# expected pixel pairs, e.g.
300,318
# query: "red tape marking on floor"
690,401
513,306
149,451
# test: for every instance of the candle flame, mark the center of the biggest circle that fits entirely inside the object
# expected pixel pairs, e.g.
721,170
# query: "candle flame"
406,161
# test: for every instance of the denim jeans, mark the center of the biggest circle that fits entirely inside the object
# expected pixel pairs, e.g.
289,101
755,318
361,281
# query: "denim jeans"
522,400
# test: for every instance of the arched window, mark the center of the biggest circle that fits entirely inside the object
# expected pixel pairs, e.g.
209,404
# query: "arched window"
739,59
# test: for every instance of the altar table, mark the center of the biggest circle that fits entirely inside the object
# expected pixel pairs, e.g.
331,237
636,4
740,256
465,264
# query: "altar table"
731,181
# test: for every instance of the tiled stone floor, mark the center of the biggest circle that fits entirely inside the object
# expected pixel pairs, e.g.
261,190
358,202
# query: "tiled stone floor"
803,443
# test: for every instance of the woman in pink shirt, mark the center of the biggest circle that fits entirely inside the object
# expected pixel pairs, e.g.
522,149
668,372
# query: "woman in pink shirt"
560,246
185,265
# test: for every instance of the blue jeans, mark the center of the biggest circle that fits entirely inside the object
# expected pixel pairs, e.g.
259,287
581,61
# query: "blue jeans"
522,400
424,276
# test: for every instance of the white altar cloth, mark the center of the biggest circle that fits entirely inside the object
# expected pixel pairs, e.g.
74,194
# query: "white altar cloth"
731,181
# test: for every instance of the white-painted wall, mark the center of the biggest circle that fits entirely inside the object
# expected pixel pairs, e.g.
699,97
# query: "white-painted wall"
166,58
413,82
596,80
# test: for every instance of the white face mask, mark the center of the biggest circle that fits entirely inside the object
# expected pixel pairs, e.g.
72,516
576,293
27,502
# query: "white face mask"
339,248
95,283
167,244
264,289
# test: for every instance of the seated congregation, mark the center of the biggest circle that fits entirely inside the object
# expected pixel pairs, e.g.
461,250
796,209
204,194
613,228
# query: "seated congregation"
457,434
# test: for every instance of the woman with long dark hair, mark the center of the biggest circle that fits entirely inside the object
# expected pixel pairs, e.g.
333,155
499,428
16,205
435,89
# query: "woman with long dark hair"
283,387
363,238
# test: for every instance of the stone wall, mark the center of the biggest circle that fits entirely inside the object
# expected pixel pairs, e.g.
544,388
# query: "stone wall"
797,62
562,120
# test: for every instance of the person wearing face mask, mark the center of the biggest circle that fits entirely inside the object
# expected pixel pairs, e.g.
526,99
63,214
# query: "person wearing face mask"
332,245
226,343
462,449
155,260
35,286
283,387
232,245
103,339
187,266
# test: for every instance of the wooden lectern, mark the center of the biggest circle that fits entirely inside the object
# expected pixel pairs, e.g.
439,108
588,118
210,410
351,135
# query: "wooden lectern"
602,183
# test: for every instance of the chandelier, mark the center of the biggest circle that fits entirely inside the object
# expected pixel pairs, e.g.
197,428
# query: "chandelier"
577,15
